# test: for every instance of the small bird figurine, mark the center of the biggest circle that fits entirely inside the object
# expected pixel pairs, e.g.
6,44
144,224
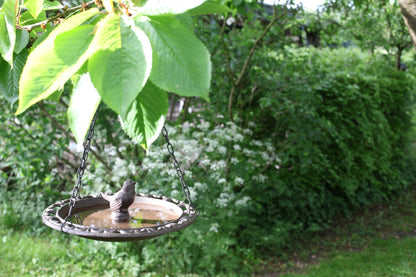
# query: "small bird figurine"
121,201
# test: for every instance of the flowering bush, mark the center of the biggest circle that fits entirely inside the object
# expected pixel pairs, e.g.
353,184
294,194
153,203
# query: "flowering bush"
223,164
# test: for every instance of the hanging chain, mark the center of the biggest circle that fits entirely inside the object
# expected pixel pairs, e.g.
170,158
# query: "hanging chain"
80,171
179,171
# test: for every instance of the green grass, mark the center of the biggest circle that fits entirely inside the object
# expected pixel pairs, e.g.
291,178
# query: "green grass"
381,257
377,241
57,255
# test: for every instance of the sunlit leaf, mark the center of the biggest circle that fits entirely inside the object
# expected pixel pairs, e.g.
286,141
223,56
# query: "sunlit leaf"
120,62
26,18
82,107
34,6
159,7
108,5
181,63
65,50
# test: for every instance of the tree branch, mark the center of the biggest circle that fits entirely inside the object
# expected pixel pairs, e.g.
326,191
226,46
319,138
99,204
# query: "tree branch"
247,62
65,13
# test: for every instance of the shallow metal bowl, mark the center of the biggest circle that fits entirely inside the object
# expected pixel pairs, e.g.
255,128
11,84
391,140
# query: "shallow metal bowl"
54,216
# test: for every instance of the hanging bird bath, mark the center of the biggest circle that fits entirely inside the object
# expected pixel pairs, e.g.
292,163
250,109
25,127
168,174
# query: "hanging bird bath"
150,216
94,217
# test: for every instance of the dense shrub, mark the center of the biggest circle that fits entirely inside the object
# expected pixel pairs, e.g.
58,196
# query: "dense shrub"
32,172
341,119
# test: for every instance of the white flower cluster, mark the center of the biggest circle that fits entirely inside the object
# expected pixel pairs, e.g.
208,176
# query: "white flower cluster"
239,181
223,200
243,201
200,186
222,157
260,178
214,227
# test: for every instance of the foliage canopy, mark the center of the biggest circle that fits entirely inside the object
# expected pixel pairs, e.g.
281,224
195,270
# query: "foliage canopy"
127,55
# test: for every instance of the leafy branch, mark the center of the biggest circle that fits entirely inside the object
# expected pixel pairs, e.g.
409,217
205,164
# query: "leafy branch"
128,62
247,61
68,11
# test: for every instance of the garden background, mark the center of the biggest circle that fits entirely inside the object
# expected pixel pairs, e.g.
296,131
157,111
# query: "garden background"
310,119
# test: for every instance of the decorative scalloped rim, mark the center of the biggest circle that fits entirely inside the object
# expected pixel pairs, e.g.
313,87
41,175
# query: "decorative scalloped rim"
51,218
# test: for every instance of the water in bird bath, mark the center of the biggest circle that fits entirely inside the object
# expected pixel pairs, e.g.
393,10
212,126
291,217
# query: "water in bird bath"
141,215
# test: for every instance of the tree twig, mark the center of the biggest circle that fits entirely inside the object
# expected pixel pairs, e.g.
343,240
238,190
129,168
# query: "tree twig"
222,32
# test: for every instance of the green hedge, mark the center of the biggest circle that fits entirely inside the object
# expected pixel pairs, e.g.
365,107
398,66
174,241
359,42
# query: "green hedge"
342,119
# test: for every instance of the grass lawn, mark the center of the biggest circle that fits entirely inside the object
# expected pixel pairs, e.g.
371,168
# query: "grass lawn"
381,257
56,254
378,241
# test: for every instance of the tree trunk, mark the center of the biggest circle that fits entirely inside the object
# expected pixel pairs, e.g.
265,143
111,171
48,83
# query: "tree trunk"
408,9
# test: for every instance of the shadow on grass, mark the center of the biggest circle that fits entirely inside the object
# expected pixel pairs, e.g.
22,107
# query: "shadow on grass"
377,241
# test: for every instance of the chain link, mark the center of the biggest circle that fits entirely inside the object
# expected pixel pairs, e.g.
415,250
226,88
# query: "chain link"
80,171
179,171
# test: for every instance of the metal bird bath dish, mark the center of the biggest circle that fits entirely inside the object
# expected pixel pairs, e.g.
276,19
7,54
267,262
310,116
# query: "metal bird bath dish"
149,215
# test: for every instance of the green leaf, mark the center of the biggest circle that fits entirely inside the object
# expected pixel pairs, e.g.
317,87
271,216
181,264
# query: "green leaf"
26,18
209,7
108,5
52,5
186,20
34,6
120,62
160,7
181,63
82,107
7,30
146,115
9,78
56,95
65,50
22,39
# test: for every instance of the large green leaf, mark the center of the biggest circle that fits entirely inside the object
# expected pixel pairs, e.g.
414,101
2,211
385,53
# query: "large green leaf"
82,107
55,59
146,115
34,6
9,77
181,63
160,7
7,30
120,62
209,7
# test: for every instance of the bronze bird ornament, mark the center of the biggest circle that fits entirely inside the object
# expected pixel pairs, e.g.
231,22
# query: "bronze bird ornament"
121,201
